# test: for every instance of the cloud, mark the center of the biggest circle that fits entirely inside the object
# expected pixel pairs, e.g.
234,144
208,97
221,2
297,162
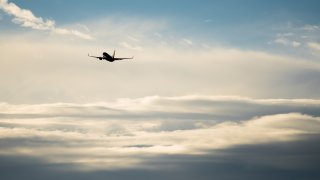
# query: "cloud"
130,46
310,27
84,27
26,18
314,46
286,42
187,41
72,32
284,160
299,37
132,133
214,108
282,41
183,137
296,44
133,39
211,71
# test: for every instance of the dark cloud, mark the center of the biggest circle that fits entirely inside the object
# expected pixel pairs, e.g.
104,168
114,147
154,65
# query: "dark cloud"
298,159
298,155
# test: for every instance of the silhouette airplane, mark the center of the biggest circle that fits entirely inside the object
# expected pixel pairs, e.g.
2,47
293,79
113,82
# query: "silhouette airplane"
109,58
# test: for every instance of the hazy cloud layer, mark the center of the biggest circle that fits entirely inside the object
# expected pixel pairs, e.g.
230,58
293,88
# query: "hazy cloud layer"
161,133
42,74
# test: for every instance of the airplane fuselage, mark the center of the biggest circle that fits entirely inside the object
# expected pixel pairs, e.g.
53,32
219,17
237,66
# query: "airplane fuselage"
107,57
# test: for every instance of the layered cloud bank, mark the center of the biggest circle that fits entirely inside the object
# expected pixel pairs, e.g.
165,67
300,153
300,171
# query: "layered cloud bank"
145,133
193,107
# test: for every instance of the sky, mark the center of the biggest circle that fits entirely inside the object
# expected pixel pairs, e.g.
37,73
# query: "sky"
219,89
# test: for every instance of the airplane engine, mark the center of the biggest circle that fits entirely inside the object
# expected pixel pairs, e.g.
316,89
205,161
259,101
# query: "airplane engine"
100,58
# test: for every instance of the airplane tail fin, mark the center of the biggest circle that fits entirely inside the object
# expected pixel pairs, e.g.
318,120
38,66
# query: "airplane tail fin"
114,53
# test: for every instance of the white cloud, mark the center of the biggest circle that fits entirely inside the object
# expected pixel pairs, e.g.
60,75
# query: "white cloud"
130,46
314,46
287,42
282,41
288,34
187,41
72,32
26,18
296,44
133,39
309,27
302,38
84,27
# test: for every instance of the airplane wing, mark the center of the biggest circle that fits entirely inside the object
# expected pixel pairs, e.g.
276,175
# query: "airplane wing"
117,59
95,57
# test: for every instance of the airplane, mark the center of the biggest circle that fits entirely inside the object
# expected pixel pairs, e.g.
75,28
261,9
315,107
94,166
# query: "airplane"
109,58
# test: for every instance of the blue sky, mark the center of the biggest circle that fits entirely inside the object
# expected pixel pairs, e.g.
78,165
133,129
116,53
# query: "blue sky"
222,17
248,24
216,90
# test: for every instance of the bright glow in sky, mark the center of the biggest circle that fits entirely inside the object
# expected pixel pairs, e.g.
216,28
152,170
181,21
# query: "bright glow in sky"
216,89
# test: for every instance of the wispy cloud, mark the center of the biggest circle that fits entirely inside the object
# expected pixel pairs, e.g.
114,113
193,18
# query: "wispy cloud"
302,37
26,18
310,27
208,20
131,46
187,41
287,42
314,46
77,33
